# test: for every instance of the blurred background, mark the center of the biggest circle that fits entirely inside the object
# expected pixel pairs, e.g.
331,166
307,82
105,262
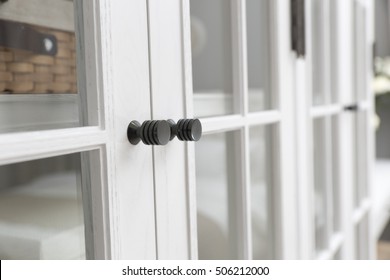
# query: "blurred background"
382,102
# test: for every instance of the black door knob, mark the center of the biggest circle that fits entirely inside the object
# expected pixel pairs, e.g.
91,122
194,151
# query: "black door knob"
150,132
186,129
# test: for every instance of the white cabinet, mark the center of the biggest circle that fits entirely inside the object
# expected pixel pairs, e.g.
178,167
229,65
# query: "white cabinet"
282,169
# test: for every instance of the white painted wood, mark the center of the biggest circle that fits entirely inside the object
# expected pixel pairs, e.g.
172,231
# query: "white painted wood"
326,110
346,83
89,60
264,117
361,212
304,147
190,148
231,122
337,61
96,208
342,87
335,243
121,38
167,101
57,14
347,161
326,162
370,130
23,146
285,189
114,89
241,143
89,103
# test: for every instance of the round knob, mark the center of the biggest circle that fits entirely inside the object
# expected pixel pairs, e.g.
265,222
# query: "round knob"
150,132
189,129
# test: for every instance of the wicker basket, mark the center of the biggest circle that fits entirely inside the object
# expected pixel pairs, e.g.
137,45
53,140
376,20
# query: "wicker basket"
25,72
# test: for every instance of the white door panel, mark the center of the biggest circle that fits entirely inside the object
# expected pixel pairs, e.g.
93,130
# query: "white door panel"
167,79
282,170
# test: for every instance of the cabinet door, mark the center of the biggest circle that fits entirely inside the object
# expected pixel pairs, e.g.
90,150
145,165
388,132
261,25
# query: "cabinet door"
282,169
336,113
228,63
68,174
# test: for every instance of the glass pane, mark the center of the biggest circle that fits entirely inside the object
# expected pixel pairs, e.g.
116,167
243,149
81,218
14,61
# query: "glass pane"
361,239
317,52
320,53
41,210
361,168
261,151
38,88
216,196
360,51
335,169
337,255
211,57
323,182
259,64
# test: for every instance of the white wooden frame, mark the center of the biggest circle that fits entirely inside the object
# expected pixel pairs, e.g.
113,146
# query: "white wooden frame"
338,30
124,48
113,78
283,206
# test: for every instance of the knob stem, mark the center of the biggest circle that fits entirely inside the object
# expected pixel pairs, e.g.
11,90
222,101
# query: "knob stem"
150,132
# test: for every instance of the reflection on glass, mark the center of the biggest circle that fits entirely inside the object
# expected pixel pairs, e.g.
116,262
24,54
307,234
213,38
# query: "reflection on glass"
216,196
337,255
261,192
259,65
360,52
317,50
323,184
361,181
335,170
41,211
211,57
37,66
321,40
37,71
361,239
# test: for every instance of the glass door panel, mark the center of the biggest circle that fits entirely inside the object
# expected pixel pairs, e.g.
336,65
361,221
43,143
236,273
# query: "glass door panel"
259,57
320,35
361,237
212,65
235,172
360,52
361,166
38,79
42,211
217,193
325,208
262,182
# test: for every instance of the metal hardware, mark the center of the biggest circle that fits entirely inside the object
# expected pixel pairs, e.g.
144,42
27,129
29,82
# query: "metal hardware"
352,108
22,36
161,132
186,129
150,132
298,27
